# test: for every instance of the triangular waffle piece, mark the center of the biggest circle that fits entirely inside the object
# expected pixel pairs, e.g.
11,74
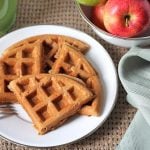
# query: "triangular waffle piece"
51,44
23,60
50,99
73,63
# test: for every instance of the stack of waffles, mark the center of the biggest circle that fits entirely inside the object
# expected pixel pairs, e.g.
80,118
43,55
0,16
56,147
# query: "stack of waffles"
51,78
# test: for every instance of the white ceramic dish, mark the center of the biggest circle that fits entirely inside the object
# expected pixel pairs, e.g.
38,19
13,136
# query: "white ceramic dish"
143,40
19,130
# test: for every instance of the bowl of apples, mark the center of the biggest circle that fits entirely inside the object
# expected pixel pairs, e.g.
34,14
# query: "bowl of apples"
124,23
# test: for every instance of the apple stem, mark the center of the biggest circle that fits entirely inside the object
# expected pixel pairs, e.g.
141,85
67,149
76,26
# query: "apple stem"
127,18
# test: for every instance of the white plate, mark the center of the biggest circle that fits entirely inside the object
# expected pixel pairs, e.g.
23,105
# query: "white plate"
22,132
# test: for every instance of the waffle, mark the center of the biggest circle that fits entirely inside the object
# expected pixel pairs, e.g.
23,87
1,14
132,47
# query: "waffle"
24,60
31,56
73,63
51,44
50,99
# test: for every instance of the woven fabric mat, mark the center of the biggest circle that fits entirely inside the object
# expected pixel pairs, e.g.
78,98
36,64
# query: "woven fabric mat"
64,12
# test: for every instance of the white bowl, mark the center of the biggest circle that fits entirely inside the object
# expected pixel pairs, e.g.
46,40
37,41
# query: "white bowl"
144,40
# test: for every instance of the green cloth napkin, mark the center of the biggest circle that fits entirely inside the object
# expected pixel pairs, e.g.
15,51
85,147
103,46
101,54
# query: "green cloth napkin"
134,73
7,14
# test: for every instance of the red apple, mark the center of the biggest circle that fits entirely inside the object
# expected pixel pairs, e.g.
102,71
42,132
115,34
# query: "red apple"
97,14
127,18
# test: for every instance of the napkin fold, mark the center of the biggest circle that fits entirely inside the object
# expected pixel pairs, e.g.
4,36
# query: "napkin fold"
134,73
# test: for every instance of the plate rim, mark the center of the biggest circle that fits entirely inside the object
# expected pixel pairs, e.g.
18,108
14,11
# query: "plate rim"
116,82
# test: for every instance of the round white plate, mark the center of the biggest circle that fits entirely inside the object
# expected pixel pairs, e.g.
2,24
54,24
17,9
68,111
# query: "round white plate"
19,130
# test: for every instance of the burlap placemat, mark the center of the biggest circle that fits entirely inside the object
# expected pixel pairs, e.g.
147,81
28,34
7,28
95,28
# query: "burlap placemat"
64,12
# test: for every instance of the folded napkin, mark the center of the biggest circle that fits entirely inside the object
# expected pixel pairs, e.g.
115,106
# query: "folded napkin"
134,73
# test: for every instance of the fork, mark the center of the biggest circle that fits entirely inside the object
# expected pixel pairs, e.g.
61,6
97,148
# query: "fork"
7,109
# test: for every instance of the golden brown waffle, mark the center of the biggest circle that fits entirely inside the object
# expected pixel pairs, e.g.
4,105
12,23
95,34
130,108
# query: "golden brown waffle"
31,56
73,63
51,44
24,60
50,99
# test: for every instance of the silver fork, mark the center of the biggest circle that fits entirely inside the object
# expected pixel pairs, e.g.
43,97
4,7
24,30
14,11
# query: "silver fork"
7,109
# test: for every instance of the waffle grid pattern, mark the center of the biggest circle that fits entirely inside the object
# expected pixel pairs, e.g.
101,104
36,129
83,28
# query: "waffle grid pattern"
26,58
20,62
75,64
50,99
